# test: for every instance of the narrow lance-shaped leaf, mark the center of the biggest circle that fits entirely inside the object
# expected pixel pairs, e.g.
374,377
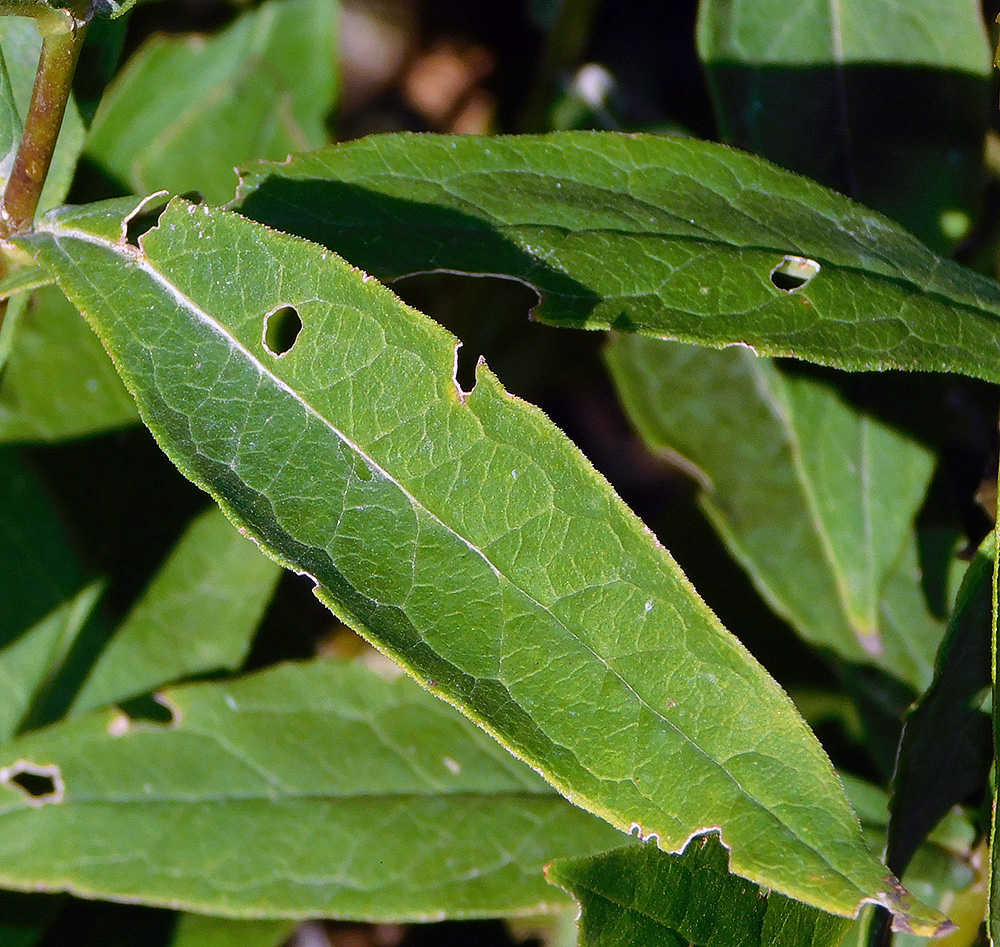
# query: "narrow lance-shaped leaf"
394,808
44,601
944,755
198,614
669,237
464,535
186,110
813,496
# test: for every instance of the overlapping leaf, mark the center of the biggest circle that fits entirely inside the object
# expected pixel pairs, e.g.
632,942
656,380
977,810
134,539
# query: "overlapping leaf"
878,100
44,599
58,382
198,615
464,534
186,110
669,237
307,790
644,896
815,498
944,756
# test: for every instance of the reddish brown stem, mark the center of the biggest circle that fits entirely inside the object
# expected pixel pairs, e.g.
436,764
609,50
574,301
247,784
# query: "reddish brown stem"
62,38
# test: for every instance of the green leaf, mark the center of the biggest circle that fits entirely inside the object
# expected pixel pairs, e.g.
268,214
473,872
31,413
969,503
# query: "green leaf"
23,279
884,102
44,600
33,659
464,535
307,790
815,498
21,44
10,123
58,382
945,752
644,896
668,237
112,8
198,614
185,110
39,568
917,34
199,930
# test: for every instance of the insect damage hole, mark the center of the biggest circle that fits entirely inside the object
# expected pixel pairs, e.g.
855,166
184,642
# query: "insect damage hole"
794,272
282,326
40,784
153,709
144,218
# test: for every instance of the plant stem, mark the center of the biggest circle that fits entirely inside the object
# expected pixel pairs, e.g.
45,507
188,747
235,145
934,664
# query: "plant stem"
565,43
62,37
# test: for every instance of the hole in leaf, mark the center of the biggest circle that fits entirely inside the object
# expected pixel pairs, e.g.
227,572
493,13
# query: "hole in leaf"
149,709
41,784
794,272
465,369
281,328
141,222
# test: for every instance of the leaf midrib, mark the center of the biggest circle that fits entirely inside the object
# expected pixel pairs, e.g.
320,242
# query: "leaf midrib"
141,261
523,797
782,414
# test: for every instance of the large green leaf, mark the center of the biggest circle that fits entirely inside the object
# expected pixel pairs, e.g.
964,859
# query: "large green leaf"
644,896
814,497
670,237
186,110
464,535
307,790
881,101
58,382
198,614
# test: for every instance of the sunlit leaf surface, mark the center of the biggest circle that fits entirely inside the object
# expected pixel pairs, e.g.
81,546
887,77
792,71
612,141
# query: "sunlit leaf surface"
464,535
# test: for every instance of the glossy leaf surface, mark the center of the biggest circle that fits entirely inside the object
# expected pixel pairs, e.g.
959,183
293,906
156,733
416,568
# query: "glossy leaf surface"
645,896
307,790
198,615
465,535
186,110
814,497
669,237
